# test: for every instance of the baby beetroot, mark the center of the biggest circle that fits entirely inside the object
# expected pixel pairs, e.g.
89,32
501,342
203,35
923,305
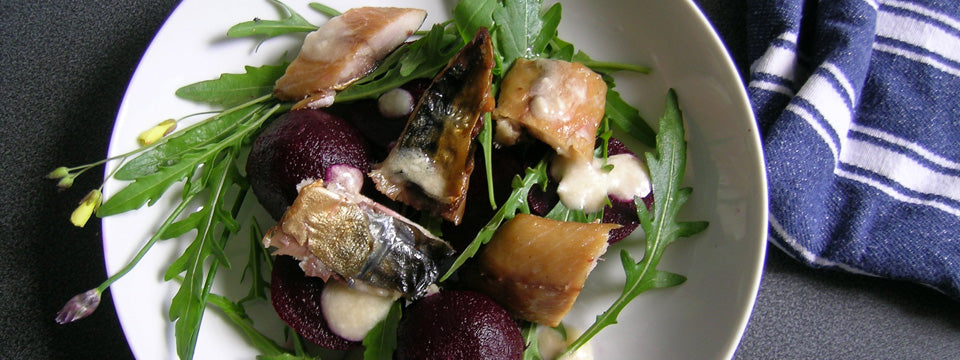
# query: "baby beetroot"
458,324
623,211
299,145
296,298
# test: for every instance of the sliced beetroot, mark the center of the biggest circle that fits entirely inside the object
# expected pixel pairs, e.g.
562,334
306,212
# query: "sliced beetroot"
298,145
457,324
507,164
296,298
380,130
623,211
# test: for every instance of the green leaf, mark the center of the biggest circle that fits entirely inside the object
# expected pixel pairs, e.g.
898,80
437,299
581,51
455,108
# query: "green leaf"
234,89
660,226
326,10
171,149
519,27
531,349
148,189
238,316
258,265
626,118
486,146
382,339
290,23
517,201
560,212
470,16
423,58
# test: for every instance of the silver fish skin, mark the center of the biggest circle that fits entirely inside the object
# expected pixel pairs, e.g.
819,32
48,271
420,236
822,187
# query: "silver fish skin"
349,236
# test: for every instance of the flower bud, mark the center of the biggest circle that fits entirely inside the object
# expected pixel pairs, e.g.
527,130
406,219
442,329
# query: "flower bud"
79,306
88,205
65,183
59,173
155,133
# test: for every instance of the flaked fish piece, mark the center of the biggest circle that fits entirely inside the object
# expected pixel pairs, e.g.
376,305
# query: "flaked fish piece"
558,102
535,267
343,50
337,233
429,168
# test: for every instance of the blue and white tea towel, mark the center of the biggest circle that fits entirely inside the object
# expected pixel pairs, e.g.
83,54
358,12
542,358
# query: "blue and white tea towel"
858,103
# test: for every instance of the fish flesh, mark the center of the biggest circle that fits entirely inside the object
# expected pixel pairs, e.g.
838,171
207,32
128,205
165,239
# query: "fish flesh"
343,234
429,167
536,267
343,50
558,102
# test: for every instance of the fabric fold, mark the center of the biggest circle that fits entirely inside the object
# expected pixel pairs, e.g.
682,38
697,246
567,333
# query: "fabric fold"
858,103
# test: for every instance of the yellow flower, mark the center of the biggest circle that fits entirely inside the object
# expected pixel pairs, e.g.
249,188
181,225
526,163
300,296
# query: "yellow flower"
155,133
88,205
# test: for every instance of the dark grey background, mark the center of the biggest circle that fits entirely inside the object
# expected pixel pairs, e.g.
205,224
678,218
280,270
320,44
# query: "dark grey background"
65,66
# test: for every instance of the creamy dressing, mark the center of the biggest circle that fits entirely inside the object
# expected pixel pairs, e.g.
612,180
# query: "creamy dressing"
416,166
551,344
395,103
585,185
351,313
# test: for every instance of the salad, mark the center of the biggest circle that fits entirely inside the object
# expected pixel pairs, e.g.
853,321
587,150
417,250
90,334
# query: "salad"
220,145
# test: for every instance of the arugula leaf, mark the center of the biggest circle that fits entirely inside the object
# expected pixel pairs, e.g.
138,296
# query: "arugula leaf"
661,228
531,350
470,16
626,118
238,315
486,146
420,59
149,188
234,89
188,305
522,32
290,23
258,263
171,149
326,10
382,339
517,201
562,213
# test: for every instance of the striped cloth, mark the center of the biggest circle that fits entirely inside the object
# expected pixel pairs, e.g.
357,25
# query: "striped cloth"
858,103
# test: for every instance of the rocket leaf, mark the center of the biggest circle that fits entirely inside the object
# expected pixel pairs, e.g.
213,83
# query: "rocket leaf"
234,89
661,227
292,22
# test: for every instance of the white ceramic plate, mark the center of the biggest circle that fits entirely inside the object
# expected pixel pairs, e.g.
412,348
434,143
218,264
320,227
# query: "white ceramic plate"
702,319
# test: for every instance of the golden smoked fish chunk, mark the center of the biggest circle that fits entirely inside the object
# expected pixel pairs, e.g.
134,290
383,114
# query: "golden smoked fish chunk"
560,103
343,50
336,233
535,267
429,168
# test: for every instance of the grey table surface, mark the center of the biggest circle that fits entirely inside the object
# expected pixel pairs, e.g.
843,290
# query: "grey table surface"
65,66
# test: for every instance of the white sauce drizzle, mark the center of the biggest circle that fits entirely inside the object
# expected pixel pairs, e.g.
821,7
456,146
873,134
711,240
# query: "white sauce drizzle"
586,185
395,103
351,313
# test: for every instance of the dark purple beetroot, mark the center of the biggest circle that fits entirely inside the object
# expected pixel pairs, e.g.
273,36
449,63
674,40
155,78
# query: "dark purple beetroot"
457,324
382,131
298,145
296,298
507,163
623,211
620,211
